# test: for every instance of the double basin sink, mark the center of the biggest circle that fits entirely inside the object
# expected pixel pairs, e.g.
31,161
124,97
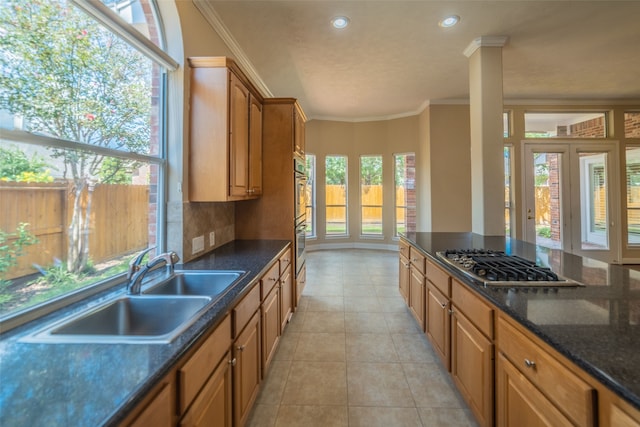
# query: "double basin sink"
158,315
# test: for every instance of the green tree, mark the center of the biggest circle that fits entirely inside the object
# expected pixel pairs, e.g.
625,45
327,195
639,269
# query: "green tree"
70,78
336,170
371,170
16,166
11,247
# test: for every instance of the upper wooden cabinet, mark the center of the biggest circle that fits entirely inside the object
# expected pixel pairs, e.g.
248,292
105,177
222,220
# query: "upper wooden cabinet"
225,144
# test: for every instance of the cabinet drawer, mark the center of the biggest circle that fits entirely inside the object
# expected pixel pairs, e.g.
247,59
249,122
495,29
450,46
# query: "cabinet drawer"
566,390
269,280
243,312
417,260
193,374
404,249
439,278
476,310
285,261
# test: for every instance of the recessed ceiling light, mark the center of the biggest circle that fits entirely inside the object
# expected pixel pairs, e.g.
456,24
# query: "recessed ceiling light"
449,21
340,22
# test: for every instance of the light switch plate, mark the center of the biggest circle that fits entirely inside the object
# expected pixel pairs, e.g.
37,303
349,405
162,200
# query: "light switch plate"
197,245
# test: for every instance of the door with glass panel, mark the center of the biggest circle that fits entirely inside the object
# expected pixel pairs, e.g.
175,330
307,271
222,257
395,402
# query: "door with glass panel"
571,198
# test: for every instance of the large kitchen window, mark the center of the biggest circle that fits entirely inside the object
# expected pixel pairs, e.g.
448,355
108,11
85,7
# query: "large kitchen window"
81,148
311,194
371,195
509,210
405,193
336,196
633,195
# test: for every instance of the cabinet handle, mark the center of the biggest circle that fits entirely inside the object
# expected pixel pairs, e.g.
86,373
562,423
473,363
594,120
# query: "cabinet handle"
240,348
405,265
451,312
232,362
529,363
273,279
444,305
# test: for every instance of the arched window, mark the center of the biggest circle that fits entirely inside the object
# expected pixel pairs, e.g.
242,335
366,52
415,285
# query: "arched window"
82,161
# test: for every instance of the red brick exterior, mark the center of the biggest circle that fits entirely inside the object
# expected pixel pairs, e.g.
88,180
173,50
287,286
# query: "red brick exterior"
594,128
554,195
632,125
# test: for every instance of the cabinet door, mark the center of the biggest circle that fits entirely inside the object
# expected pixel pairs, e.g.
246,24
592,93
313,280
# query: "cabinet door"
246,374
417,296
212,407
238,138
270,327
520,403
298,133
438,324
404,278
286,298
301,280
160,411
472,367
255,147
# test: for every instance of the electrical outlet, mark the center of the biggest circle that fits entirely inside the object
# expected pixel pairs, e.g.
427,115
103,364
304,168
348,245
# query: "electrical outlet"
197,245
212,238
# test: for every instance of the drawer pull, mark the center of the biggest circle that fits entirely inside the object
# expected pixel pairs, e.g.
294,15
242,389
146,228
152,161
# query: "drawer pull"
529,363
272,279
232,362
451,312
240,348
444,305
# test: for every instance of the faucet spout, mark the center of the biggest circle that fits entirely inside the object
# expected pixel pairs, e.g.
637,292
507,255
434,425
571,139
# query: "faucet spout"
135,282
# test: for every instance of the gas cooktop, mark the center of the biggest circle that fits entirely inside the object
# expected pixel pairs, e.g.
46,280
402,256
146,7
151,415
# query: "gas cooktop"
495,268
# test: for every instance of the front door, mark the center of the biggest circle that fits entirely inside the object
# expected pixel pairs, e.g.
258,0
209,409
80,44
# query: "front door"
571,198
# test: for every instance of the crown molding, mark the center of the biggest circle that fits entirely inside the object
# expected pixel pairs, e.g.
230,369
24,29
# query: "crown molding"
485,41
241,58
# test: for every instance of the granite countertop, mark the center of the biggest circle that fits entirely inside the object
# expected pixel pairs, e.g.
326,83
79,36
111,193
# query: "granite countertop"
596,326
97,384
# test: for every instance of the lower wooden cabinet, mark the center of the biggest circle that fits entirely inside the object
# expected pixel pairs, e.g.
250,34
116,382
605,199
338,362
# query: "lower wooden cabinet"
417,287
247,370
438,325
520,403
301,281
472,367
404,267
213,406
614,412
160,410
270,327
286,297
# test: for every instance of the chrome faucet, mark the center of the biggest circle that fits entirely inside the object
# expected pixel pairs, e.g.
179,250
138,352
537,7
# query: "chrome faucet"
135,281
134,264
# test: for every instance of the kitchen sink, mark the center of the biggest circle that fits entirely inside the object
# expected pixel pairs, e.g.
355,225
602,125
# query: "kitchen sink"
196,282
128,319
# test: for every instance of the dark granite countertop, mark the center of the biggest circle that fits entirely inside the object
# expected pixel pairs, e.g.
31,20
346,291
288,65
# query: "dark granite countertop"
97,384
596,326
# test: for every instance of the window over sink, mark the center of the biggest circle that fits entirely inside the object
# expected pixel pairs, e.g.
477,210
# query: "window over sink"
81,149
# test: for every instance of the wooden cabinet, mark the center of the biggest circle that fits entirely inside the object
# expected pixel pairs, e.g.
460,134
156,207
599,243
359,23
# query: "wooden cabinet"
472,352
213,406
614,412
286,297
417,288
438,324
247,370
404,267
298,132
299,284
270,327
158,409
554,380
225,143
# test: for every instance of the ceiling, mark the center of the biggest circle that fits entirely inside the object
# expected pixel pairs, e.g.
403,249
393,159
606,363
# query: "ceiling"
394,58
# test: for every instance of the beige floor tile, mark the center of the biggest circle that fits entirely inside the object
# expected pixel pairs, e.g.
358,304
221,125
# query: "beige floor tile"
369,304
385,280
378,384
402,323
366,416
371,348
323,321
273,385
386,291
297,320
263,416
446,417
325,289
358,290
363,322
321,347
322,303
287,345
303,303
430,387
393,304
312,416
316,383
413,348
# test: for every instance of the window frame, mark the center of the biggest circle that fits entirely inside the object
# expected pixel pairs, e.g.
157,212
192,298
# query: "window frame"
346,198
165,65
310,172
363,206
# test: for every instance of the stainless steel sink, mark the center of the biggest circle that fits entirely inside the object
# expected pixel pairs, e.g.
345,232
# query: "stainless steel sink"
196,282
128,319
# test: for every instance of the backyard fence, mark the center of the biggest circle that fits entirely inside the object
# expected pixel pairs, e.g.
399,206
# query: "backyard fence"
118,222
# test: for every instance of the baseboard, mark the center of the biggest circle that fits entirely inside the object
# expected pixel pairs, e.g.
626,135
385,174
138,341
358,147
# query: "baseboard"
351,245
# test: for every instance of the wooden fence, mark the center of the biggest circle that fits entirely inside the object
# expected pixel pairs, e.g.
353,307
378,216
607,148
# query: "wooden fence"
118,225
372,195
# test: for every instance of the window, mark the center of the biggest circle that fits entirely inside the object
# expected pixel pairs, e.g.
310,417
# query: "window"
82,138
371,195
405,193
632,124
336,195
633,195
311,194
506,124
508,192
565,125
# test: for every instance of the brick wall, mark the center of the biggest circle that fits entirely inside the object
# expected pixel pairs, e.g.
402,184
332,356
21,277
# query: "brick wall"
632,125
594,128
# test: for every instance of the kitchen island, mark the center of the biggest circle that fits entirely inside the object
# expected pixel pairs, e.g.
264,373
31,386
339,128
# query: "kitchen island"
61,384
595,326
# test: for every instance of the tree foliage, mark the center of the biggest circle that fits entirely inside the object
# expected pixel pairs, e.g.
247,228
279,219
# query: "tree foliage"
70,78
16,166
336,170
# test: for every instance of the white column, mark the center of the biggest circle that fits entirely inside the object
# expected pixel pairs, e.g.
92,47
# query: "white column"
487,165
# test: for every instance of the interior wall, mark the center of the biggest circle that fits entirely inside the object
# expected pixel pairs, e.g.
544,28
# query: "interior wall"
353,139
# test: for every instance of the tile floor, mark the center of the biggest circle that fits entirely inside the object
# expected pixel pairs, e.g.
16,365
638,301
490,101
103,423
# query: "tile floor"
353,355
